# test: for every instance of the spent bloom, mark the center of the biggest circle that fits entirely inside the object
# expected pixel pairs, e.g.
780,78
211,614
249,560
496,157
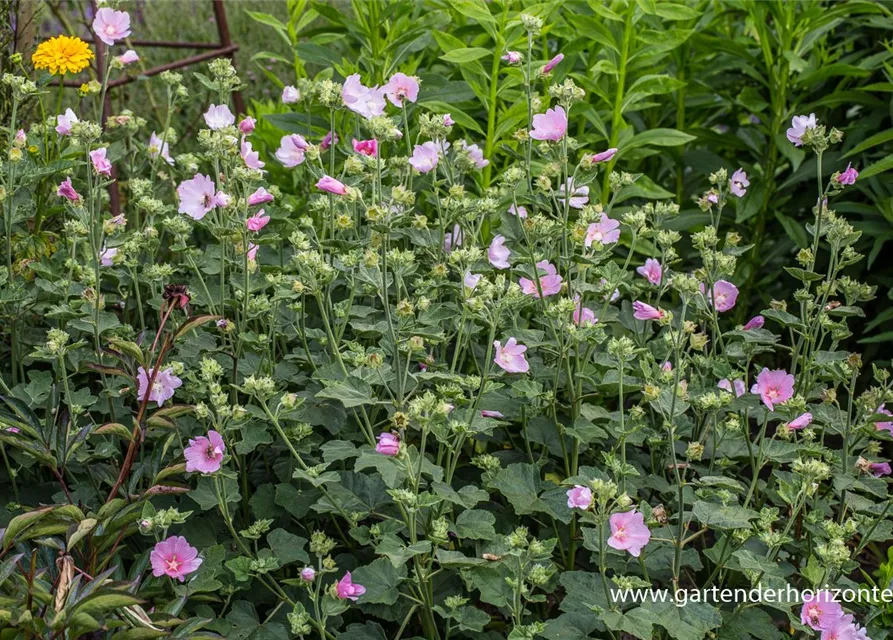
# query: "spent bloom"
219,116
453,239
886,425
799,126
551,125
388,444
583,315
401,86
579,196
552,64
290,94
448,120
162,389
175,558
756,322
65,121
475,153
366,101
725,294
800,422
110,25
774,387
247,124
66,190
101,164
250,156
260,197
489,413
510,358
471,280
366,147
205,454
257,222
629,532
107,256
128,57
346,589
424,157
651,271
579,497
739,183
512,57
521,211
157,147
550,283
605,231
820,610
643,311
291,150
846,178
328,140
604,156
879,469
331,185
736,386
498,254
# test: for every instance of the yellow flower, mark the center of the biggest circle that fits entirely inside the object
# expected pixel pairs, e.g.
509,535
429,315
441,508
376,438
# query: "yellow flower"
62,54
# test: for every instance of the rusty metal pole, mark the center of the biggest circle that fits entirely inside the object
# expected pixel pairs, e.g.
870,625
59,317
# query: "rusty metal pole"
226,42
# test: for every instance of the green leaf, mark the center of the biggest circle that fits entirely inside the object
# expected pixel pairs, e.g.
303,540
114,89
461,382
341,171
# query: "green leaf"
352,392
287,547
466,54
476,524
104,601
521,484
877,168
382,581
658,138
717,516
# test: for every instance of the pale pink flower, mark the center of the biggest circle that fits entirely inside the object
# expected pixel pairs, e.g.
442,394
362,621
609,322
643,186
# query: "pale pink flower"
291,150
290,94
66,190
174,557
843,629
736,386
487,413
887,425
308,574
512,57
475,154
162,389
448,120
205,454
110,25
250,156
756,322
604,156
579,497
615,295
551,125
583,315
453,239
366,101
739,183
774,387
101,164
471,280
642,311
498,254
820,610
400,87
550,283
388,444
510,358
424,157
219,116
257,222
800,422
651,271
579,196
629,532
65,121
799,126
605,231
252,252
197,196
879,469
331,185
712,197
158,146
346,589
107,256
366,147
247,124
549,66
260,196
846,178
521,211
725,294
128,57
21,138
328,140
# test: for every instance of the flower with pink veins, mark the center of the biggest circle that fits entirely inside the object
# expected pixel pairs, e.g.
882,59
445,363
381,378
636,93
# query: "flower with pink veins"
521,212
725,294
547,69
643,311
346,589
157,147
799,126
774,387
107,257
603,156
110,25
257,222
366,147
820,610
605,231
331,185
401,87
290,94
291,150
510,358
579,196
128,57
498,254
101,164
260,196
651,271
218,117
250,156
388,444
551,125
629,532
756,322
366,101
583,315
800,422
174,558
247,125
65,121
66,190
736,386
848,176
739,183
424,157
549,284
579,497
205,454
197,196
162,389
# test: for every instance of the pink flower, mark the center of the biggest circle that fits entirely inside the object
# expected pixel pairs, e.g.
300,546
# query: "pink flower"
290,94
629,532
724,295
475,154
448,120
128,57
346,589
366,147
400,87
737,386
667,366
366,101
205,454
879,469
260,197
642,311
111,26
799,126
583,315
605,231
820,610
846,178
219,116
101,164
521,212
551,125
252,252
328,140
21,138
739,183
291,150
158,146
107,256
756,322
424,157
486,413
886,426
308,574
471,280
800,422
453,239
510,358
547,69
197,196
257,222
65,121
250,156
774,387
651,271
329,184
247,124
512,57
162,389
498,254
66,190
713,197
579,195
843,628
388,444
604,156
579,497
550,283
174,557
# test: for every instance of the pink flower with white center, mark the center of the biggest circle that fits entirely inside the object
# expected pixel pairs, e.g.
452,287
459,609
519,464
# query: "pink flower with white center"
512,57
739,183
252,252
366,101
642,311
330,185
308,574
651,271
291,150
800,422
366,147
290,94
549,284
110,25
453,239
107,256
347,590
401,87
65,121
101,164
388,444
66,190
725,294
885,426
159,147
174,558
603,156
846,178
498,254
486,413
820,610
579,195
257,222
583,315
197,196
510,358
547,69
799,126
843,629
424,157
260,196
521,212
579,497
328,140
205,454
629,532
879,469
605,231
774,387
737,386
471,280
756,322
247,124
475,154
219,116
162,389
128,57
250,156
448,120
551,125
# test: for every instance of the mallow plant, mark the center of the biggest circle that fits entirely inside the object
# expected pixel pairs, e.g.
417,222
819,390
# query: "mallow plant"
342,391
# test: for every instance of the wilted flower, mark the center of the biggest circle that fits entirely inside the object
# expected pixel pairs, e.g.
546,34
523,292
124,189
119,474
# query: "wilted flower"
510,357
176,295
551,125
848,177
629,532
642,311
604,156
346,589
218,117
107,256
65,121
448,120
453,239
552,64
388,444
290,94
260,196
799,126
205,454
328,140
66,190
258,221
879,469
512,57
250,156
651,271
162,389
101,164
774,387
487,413
800,422
475,153
549,284
331,185
498,254
579,497
110,25
579,196
756,322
